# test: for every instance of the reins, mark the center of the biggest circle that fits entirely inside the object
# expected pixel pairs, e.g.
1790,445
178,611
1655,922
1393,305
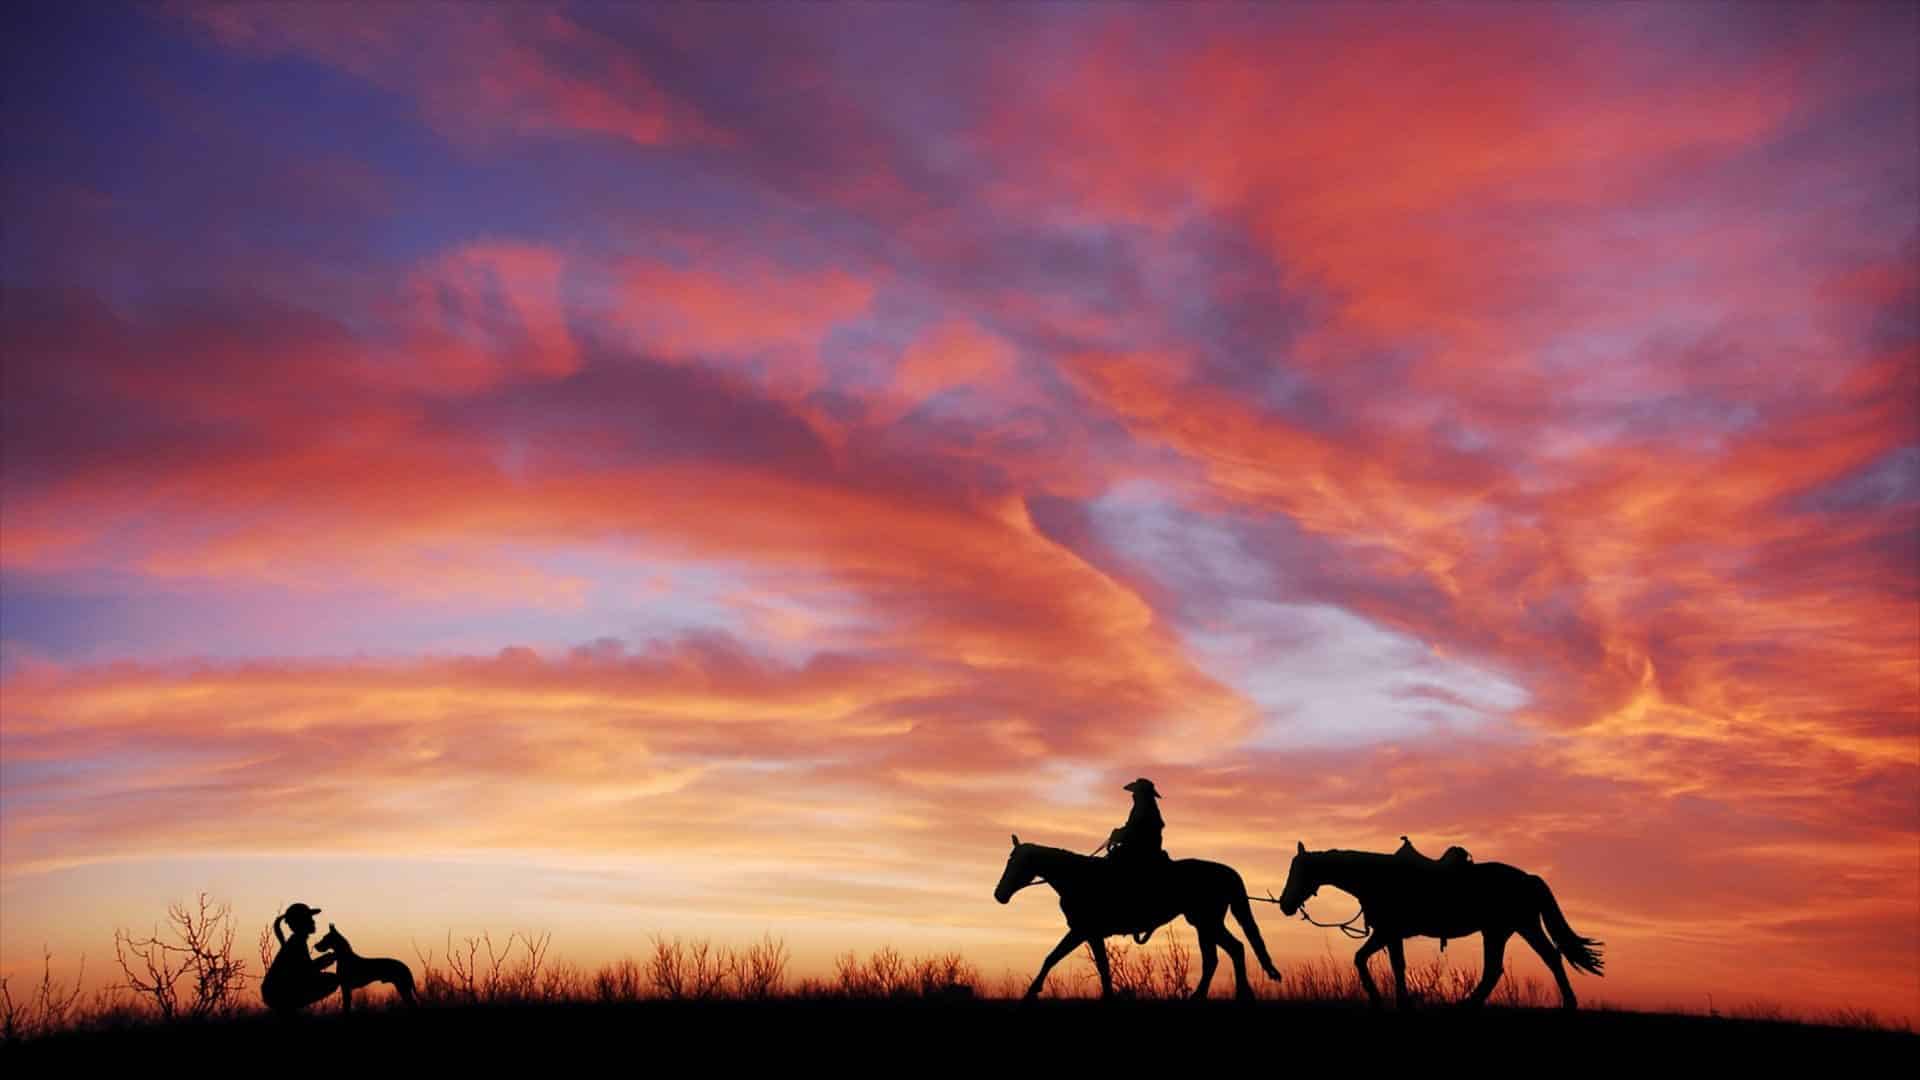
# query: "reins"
1358,933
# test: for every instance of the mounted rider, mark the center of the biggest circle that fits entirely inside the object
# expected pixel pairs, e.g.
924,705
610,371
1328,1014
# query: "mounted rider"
1136,845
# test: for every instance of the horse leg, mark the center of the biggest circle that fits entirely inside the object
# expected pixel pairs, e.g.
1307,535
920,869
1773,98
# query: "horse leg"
1397,956
1059,953
1209,957
1542,944
1236,952
1373,945
1495,965
1098,946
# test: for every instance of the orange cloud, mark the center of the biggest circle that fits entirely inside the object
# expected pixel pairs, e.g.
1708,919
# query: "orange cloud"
1567,351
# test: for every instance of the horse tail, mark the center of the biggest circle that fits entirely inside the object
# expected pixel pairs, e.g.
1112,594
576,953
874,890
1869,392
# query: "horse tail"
403,982
1243,914
1583,953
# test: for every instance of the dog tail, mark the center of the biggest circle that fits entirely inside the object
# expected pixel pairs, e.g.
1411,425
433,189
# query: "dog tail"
403,982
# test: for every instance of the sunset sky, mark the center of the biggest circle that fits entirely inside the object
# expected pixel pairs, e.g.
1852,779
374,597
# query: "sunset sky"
721,469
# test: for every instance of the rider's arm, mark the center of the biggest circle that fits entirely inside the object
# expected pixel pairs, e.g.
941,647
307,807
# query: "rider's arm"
321,962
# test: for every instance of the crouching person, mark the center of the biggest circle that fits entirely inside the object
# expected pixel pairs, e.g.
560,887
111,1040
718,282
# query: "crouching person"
296,980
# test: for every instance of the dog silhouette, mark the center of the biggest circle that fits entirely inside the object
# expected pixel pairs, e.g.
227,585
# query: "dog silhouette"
356,971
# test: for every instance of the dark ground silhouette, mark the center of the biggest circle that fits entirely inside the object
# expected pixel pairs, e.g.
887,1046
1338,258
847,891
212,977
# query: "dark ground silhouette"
991,1037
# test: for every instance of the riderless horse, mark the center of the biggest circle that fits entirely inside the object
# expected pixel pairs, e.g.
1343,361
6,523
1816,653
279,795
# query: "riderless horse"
1402,897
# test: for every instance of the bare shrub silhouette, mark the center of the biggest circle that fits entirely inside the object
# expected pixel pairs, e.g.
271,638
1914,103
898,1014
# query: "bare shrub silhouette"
1176,966
947,975
562,980
44,1009
1132,971
686,971
1145,972
1861,1020
477,971
433,984
510,979
619,983
1759,1010
265,947
759,971
884,975
200,952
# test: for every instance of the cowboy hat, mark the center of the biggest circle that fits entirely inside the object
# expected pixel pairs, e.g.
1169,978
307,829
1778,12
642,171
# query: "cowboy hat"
1142,784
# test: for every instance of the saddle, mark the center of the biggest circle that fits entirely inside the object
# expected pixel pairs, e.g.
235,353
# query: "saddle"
1451,859
1454,856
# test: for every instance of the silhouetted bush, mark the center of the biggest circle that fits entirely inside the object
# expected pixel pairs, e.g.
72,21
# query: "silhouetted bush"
46,1008
477,971
200,953
947,976
618,983
687,971
759,971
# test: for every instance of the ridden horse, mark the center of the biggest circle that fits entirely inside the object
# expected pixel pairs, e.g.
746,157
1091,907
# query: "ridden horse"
1095,898
1403,898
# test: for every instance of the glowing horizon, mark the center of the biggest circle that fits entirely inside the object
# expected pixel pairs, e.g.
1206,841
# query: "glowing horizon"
721,470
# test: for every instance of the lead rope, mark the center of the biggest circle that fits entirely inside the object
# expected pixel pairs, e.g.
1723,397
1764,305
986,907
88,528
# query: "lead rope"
1359,933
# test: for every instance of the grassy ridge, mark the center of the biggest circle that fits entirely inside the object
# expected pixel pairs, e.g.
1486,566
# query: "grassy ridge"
488,991
914,1035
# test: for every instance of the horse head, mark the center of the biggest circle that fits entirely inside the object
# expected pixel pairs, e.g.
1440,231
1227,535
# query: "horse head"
1019,872
1301,882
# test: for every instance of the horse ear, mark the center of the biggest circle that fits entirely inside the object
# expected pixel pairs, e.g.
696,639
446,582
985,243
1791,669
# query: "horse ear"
1016,839
1302,845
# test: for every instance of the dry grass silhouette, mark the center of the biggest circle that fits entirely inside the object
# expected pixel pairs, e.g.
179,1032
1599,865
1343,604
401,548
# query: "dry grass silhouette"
188,973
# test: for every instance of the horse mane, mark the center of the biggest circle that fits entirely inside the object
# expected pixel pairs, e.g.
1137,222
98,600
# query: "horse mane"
1043,849
1346,856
